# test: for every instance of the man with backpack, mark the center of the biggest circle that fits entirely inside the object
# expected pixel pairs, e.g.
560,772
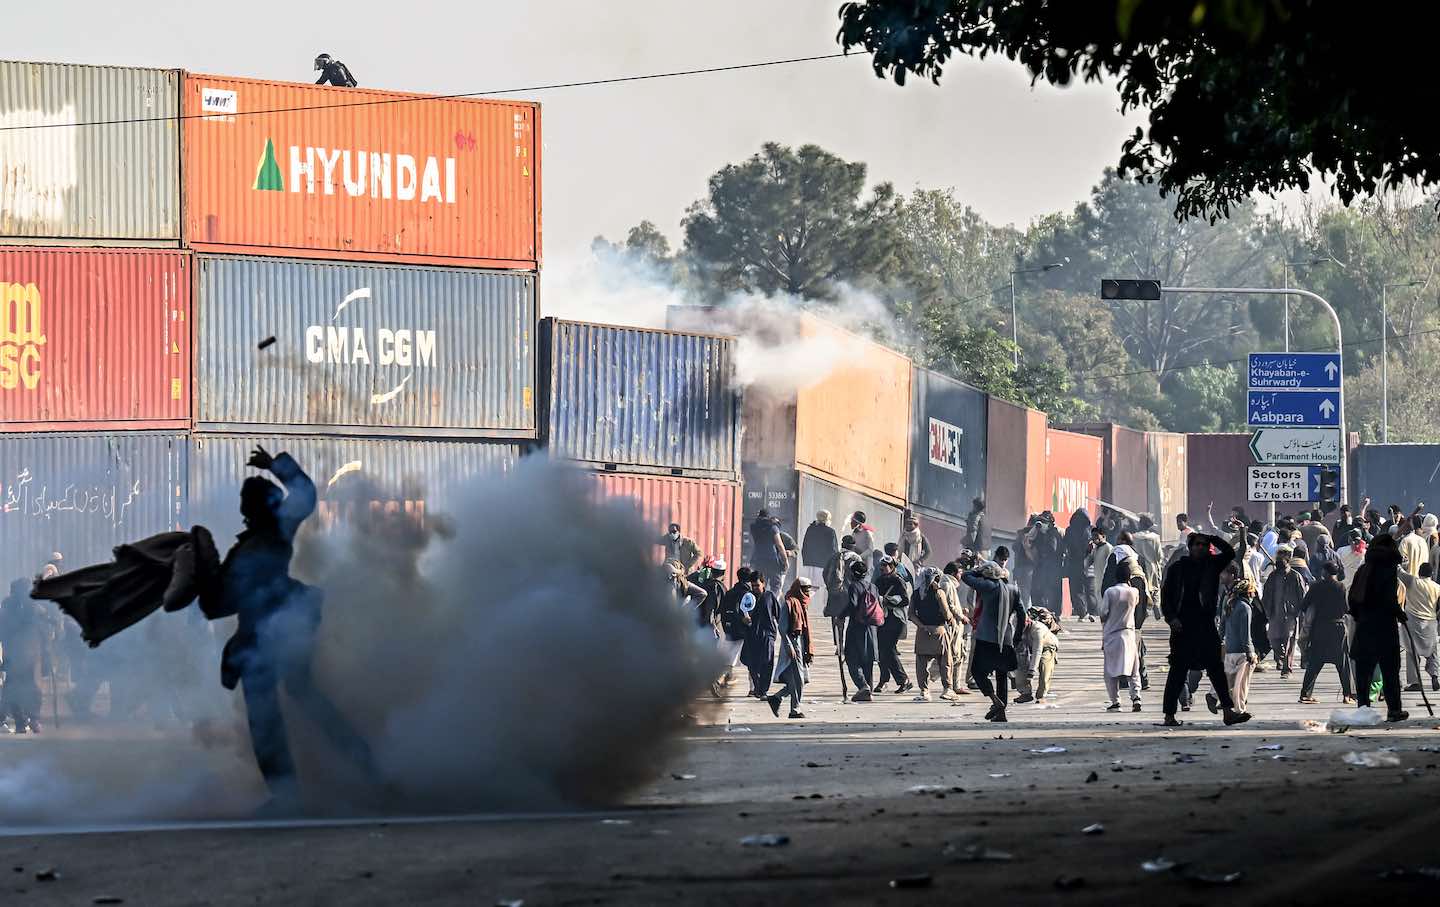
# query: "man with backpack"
734,625
894,594
863,614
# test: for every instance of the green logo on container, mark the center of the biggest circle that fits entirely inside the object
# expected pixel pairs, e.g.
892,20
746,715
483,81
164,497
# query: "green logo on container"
267,174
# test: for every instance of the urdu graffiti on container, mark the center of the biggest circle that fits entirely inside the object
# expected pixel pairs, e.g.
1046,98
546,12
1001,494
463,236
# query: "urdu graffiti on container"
34,500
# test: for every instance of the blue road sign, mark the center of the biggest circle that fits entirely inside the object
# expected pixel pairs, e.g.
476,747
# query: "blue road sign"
1294,371
1294,409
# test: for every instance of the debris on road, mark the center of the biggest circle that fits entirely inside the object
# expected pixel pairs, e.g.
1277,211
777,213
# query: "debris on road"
1270,747
1070,883
1043,751
1159,864
46,875
1341,720
922,790
920,880
1185,758
999,774
682,777
1096,829
977,853
1215,880
1401,874
736,729
1313,726
616,822
106,899
765,840
1092,778
1376,759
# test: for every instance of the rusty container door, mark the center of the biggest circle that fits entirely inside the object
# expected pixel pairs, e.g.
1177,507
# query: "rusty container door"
1074,470
1167,481
89,154
94,339
947,447
853,424
707,511
317,171
1216,469
1014,465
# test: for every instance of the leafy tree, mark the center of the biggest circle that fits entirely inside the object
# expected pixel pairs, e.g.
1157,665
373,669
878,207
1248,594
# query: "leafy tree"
1414,396
792,221
1244,96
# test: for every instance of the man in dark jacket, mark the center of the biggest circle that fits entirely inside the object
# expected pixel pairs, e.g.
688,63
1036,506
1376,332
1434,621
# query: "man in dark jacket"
860,636
278,619
895,599
1375,604
1324,608
760,638
711,578
768,550
1191,593
1077,554
820,543
998,619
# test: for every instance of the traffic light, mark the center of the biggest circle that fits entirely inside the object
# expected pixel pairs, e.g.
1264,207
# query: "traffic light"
1329,489
1145,290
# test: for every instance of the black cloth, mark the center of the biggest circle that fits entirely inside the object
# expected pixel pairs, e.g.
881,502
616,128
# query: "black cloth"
767,549
1049,567
1342,667
887,637
1388,661
990,659
337,74
758,652
820,545
1325,605
732,619
1191,593
168,570
707,614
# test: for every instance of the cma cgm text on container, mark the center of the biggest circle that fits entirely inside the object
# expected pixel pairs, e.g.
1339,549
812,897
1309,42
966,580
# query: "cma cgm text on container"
94,339
316,171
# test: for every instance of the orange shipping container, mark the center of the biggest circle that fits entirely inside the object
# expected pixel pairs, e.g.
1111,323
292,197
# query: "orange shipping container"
854,424
321,172
707,511
1074,470
1014,465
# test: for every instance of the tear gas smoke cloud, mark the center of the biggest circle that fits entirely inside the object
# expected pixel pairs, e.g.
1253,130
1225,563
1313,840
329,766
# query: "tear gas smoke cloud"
614,288
516,653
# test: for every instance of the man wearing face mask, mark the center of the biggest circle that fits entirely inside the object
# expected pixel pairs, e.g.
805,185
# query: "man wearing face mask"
680,549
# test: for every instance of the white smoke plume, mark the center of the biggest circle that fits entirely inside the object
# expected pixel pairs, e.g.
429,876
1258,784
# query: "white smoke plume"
517,653
608,287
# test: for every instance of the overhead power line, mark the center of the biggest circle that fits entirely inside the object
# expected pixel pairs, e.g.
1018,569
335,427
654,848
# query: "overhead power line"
443,97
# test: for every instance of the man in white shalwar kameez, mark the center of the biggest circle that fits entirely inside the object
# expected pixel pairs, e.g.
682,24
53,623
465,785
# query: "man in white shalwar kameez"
1122,639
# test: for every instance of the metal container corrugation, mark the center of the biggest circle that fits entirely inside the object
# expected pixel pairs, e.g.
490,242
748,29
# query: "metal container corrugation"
316,171
407,476
1126,470
1014,466
94,339
708,511
361,347
1402,474
853,425
1166,480
641,400
947,539
776,490
947,448
1074,471
818,494
116,181
768,427
81,494
1216,466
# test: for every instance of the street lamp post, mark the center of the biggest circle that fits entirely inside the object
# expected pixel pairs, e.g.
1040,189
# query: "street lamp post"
1014,321
1287,292
1301,264
1385,354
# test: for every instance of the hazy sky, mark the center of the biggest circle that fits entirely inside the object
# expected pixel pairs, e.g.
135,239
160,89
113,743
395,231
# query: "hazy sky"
617,154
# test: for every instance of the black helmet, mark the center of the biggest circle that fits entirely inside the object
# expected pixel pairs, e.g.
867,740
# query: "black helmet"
322,61
857,569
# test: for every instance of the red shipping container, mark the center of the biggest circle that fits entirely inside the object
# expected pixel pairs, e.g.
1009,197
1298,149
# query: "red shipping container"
707,511
322,172
1015,476
1074,470
94,339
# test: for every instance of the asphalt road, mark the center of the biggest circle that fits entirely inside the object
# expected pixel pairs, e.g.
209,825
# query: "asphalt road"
866,793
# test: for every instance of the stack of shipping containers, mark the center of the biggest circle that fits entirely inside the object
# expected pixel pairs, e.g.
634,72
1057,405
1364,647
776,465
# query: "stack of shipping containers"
95,310
386,246
653,417
389,244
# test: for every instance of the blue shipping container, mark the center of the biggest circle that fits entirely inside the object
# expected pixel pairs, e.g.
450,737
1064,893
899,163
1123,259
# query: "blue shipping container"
364,347
641,400
394,475
947,445
81,494
1403,474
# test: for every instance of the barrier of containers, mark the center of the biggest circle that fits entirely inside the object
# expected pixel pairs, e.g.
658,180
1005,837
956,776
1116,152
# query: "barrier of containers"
948,443
94,338
283,168
1015,465
1400,474
80,494
1126,453
1167,481
637,400
364,347
1074,471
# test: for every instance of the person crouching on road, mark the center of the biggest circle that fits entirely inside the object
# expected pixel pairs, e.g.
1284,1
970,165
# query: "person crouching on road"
1121,641
934,616
792,663
1038,651
999,616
